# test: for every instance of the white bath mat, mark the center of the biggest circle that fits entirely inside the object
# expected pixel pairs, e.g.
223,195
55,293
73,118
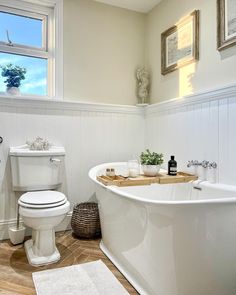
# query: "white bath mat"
92,278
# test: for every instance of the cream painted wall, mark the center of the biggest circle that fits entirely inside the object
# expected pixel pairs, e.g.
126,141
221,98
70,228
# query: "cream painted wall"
103,46
213,69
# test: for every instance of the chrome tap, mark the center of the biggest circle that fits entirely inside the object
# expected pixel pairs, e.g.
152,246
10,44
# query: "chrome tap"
193,163
212,165
205,164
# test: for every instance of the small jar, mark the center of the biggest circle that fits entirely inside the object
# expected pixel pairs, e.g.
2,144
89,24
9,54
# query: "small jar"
110,172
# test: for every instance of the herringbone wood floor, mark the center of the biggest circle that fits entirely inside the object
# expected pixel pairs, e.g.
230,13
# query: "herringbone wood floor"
16,273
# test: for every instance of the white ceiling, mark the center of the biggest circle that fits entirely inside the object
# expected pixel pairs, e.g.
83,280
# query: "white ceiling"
137,5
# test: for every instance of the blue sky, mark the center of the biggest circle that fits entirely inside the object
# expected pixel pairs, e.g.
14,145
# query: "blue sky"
24,31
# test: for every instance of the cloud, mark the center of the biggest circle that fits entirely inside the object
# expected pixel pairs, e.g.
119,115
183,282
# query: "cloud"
12,59
34,84
32,72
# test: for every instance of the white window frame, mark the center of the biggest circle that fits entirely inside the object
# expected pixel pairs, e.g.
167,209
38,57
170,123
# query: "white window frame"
51,14
20,48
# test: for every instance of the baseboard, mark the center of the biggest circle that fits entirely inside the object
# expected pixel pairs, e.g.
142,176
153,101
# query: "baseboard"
5,224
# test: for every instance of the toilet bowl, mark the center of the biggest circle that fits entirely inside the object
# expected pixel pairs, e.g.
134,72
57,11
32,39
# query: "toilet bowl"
43,211
38,174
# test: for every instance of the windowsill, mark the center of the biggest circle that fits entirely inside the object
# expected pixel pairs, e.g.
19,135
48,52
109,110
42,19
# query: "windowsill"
28,97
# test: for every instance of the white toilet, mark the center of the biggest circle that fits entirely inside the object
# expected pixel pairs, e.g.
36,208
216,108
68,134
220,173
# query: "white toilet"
39,173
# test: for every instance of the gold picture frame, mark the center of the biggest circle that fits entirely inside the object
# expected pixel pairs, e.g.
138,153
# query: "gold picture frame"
180,44
226,24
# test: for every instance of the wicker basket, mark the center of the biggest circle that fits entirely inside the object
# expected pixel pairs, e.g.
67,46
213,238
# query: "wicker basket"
85,220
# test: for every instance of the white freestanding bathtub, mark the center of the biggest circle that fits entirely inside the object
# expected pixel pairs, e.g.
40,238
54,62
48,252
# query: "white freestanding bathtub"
170,239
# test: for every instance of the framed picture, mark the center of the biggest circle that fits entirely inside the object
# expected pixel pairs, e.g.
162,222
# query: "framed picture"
226,23
180,44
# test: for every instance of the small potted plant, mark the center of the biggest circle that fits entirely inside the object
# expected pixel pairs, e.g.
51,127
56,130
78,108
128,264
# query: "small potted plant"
14,74
151,162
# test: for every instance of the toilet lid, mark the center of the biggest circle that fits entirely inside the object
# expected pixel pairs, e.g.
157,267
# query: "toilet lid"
42,199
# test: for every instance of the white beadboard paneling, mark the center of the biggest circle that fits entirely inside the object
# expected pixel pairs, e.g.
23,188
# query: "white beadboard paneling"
197,127
190,135
213,140
231,161
196,130
224,141
90,137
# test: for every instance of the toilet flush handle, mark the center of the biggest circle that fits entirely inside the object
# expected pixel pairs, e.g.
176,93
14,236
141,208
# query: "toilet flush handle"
55,160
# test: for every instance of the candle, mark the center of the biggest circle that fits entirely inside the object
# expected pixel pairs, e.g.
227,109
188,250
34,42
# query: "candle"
133,172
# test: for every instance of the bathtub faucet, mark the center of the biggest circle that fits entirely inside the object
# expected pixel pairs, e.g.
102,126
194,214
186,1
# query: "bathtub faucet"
204,164
193,163
212,165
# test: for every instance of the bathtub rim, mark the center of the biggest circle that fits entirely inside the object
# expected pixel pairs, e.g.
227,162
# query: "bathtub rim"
93,172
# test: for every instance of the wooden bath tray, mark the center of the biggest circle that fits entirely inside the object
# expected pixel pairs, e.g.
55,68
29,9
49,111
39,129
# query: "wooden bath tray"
180,177
161,178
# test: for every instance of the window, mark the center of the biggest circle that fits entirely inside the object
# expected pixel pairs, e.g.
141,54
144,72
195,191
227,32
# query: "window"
29,38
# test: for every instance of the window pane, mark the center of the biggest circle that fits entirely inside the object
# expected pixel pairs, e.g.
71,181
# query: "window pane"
22,30
35,82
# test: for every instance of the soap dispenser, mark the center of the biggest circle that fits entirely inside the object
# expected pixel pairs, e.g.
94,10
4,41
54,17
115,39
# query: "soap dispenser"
172,166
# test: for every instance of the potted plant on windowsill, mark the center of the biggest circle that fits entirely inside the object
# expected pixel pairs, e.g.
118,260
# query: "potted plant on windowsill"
151,162
14,74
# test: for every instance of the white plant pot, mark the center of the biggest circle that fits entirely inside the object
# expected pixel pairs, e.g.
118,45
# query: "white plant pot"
13,91
151,170
16,235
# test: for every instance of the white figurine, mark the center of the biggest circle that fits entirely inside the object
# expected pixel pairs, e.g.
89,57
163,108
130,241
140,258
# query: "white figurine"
143,85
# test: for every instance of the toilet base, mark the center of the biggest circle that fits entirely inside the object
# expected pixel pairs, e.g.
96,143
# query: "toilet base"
40,260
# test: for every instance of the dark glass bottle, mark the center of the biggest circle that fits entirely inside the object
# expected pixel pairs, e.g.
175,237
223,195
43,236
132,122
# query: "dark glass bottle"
172,166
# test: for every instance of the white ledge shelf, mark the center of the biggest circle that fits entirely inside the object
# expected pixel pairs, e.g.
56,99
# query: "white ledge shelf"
224,92
53,104
46,103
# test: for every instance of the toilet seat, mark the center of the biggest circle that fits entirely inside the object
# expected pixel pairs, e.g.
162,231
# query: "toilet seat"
40,212
42,199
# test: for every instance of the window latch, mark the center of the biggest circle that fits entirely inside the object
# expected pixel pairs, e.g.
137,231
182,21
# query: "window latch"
8,39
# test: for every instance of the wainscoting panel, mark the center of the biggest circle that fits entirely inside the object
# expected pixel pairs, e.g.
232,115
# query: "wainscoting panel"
198,127
90,136
227,133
